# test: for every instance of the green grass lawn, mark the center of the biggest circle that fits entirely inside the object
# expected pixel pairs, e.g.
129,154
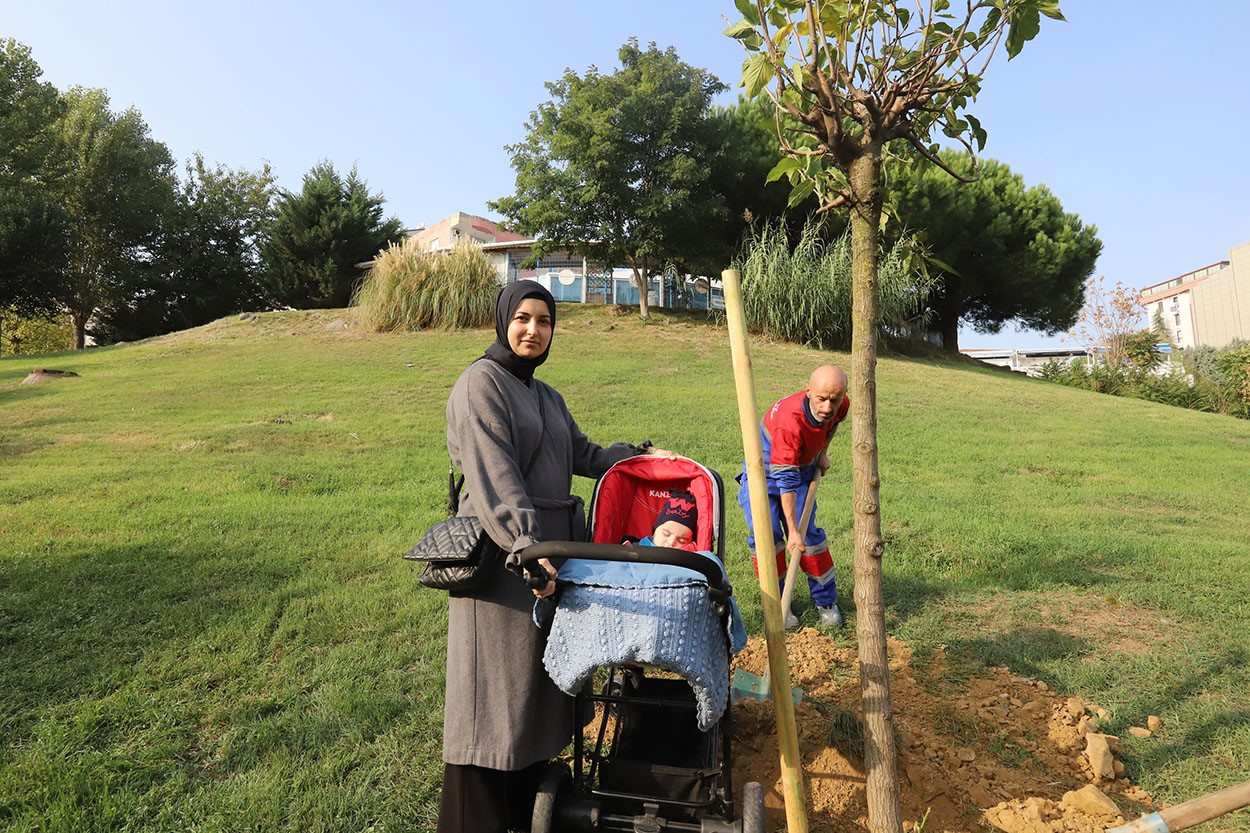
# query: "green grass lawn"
205,624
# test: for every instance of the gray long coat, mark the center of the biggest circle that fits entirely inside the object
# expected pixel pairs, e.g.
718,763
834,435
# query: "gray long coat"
502,710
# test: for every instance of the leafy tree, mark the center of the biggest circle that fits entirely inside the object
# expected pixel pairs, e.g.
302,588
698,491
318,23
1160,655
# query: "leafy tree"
1001,251
207,262
615,166
849,78
319,235
744,151
116,186
32,223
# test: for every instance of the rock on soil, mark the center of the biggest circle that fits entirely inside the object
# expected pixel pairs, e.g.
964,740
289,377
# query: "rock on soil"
997,749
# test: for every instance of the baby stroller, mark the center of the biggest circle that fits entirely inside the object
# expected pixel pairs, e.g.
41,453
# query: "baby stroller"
659,753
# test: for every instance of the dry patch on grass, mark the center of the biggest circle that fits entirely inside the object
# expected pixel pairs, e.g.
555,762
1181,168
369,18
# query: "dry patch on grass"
1115,626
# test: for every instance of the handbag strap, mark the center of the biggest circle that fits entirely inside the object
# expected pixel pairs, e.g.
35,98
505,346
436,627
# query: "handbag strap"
456,483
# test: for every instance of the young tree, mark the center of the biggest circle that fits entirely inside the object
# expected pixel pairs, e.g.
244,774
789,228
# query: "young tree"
318,237
1013,253
854,76
614,166
116,186
32,223
1109,319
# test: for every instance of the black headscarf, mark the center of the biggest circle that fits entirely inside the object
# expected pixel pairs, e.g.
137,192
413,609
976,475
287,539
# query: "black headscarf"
510,297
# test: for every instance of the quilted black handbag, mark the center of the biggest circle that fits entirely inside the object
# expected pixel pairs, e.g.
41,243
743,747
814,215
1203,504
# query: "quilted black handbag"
458,555
457,552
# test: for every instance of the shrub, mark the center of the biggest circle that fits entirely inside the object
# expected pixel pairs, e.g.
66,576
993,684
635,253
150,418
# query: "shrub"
803,294
1099,376
1139,350
1234,365
32,336
1205,379
408,289
1070,373
1202,362
1177,387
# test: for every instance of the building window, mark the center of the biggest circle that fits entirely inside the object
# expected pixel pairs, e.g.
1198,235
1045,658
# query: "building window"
1178,319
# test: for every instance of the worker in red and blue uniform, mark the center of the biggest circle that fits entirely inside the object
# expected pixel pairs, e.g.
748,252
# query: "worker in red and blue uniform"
796,432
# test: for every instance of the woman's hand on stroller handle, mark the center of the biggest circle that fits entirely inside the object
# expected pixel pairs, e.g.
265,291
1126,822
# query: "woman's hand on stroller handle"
540,576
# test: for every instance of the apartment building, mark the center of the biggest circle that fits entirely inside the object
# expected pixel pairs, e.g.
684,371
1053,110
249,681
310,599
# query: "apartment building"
1208,306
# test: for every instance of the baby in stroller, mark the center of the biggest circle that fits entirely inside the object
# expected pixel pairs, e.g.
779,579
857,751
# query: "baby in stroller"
666,604
658,614
676,524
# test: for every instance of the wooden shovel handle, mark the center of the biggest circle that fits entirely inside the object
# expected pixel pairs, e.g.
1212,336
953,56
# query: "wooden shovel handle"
792,571
1192,812
1207,807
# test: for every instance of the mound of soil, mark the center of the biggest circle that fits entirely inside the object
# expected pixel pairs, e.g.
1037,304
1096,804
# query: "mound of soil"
998,749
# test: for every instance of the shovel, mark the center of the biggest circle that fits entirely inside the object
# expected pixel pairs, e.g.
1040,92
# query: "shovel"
748,686
1194,811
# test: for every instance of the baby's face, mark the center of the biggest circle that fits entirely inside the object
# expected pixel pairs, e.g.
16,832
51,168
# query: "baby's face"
673,534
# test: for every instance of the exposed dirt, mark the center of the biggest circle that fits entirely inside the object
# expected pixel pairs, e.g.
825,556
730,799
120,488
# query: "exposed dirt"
995,751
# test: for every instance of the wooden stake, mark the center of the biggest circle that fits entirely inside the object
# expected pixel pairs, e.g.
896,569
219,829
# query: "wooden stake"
761,518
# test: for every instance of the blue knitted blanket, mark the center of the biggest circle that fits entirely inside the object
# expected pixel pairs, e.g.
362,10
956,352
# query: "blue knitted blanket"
613,612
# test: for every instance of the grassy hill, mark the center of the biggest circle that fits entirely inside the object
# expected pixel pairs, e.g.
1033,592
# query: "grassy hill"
205,623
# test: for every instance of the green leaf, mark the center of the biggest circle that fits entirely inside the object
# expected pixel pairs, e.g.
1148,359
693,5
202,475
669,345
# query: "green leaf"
992,21
941,264
756,73
1050,8
978,132
802,191
740,30
787,165
1022,29
781,36
956,126
748,10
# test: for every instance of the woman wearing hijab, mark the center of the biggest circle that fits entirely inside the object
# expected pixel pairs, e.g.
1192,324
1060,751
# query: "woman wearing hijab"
516,443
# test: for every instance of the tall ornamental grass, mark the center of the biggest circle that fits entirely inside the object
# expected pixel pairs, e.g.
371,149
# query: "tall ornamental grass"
802,293
409,289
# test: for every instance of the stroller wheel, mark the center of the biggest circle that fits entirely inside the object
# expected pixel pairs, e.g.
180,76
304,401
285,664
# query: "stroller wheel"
753,808
553,785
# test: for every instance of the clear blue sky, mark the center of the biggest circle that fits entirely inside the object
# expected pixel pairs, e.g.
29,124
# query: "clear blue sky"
1136,114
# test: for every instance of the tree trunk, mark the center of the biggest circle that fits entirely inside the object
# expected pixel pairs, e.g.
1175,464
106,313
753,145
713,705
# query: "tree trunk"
950,332
880,756
80,317
640,281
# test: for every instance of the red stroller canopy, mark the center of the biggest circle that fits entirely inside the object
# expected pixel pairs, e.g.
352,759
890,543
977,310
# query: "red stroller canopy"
629,496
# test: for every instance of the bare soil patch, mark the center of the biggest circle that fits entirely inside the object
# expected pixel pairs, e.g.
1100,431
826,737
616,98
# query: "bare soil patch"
997,751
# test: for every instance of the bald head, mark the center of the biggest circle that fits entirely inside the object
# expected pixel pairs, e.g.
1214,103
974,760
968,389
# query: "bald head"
825,391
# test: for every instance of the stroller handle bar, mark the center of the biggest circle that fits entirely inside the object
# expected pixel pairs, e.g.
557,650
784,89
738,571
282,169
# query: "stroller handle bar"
718,583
